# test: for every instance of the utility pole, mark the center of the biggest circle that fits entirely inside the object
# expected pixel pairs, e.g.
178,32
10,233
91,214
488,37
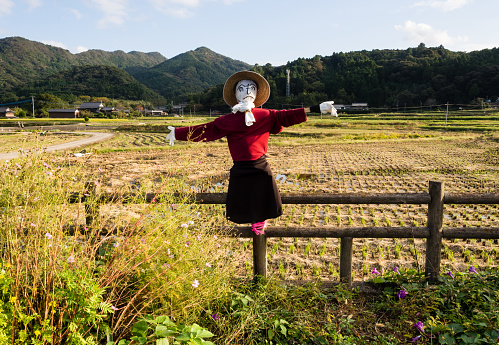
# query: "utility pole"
447,113
33,105
287,83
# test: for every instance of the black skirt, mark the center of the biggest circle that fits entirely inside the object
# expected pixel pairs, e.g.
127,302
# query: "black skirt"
253,195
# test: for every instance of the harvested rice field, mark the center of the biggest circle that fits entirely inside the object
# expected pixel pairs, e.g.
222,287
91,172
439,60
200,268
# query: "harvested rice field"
328,163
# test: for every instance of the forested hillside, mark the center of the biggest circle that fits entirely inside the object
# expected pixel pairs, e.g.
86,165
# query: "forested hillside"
414,77
190,72
383,78
93,81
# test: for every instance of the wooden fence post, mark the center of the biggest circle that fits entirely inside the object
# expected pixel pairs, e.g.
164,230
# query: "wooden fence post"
91,208
260,255
434,241
346,260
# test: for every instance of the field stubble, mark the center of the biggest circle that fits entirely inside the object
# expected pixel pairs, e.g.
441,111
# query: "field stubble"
34,140
465,165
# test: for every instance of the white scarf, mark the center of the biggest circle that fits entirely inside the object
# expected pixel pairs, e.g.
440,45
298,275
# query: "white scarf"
245,107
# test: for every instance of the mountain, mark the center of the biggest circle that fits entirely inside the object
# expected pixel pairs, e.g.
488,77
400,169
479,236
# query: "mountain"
26,64
93,81
22,60
190,72
127,61
29,65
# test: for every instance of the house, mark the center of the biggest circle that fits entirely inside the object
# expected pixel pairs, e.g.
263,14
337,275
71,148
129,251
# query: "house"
360,106
155,112
64,113
109,110
353,106
6,112
93,107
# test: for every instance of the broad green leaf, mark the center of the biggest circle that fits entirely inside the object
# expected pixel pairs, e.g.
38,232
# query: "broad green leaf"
194,328
204,333
148,318
162,341
140,340
161,319
446,339
186,336
140,328
163,331
469,339
456,327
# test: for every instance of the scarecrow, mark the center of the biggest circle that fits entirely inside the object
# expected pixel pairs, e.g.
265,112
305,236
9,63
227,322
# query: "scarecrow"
253,196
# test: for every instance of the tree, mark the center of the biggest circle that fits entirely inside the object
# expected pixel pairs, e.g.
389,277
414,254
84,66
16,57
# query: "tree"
21,113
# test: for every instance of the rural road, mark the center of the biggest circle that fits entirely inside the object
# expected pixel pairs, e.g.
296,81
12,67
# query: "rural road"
95,137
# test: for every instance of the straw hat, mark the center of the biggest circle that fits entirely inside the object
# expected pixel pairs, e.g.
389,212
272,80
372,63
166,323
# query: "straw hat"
262,94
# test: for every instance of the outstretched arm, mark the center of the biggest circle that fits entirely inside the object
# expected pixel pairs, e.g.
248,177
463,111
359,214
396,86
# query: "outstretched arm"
323,108
205,132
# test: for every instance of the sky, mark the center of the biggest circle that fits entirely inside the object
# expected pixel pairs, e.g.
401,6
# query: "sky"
253,31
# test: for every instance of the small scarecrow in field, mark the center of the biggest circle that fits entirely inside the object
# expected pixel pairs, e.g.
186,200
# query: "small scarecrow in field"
253,196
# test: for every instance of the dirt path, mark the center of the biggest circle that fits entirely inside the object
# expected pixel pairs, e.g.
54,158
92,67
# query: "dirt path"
95,137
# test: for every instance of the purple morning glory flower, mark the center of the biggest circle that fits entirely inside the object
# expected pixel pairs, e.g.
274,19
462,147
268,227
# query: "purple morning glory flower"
396,269
402,293
472,270
215,317
450,274
375,271
420,326
415,339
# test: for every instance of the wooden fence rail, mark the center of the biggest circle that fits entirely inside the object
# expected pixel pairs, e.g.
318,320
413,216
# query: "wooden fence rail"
433,232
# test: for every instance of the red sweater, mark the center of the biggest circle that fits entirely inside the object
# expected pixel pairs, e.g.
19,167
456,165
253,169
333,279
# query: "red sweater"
246,143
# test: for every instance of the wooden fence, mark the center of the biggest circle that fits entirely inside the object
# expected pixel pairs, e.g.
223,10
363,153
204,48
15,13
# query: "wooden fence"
433,232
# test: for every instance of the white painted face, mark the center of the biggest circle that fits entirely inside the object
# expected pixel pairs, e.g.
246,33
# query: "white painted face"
246,91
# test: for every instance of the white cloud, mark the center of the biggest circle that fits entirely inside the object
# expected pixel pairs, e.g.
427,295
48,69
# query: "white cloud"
81,49
33,3
76,13
423,33
230,2
183,8
447,5
55,44
175,8
114,12
5,6
188,3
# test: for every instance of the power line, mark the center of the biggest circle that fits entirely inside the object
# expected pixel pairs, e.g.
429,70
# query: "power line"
26,101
